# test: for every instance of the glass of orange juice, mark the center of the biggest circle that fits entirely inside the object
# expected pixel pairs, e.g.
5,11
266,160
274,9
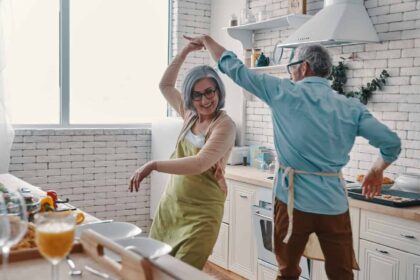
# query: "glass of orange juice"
54,236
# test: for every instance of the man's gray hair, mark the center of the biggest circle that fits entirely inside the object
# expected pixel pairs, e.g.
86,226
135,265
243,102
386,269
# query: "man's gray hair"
318,59
196,74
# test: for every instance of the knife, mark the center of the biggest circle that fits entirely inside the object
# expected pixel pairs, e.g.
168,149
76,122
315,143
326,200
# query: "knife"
98,273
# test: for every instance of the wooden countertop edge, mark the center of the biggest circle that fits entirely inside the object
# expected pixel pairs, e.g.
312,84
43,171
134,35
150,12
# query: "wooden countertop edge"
254,176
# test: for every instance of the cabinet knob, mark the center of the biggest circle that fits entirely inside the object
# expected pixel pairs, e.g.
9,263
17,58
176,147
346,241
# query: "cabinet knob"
243,196
408,236
382,251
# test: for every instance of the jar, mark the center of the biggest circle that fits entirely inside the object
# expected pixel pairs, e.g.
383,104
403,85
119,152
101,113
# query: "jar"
247,57
255,54
233,20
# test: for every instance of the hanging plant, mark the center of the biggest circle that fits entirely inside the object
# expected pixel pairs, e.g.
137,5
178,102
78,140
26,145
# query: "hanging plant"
339,79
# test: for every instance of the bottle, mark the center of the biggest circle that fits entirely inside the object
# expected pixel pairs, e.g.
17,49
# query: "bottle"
255,54
247,57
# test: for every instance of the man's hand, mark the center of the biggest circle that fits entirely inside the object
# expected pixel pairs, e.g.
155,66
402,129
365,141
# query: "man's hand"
372,183
140,174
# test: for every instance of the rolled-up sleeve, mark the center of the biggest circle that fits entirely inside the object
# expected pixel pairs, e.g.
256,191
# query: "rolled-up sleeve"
379,136
261,85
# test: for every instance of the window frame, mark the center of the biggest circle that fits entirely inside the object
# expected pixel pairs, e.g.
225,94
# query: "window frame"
64,76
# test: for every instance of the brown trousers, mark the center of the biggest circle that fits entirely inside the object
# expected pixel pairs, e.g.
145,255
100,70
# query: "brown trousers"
334,234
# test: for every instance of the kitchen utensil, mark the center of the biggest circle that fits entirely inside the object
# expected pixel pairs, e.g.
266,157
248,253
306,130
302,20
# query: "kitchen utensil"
73,271
98,273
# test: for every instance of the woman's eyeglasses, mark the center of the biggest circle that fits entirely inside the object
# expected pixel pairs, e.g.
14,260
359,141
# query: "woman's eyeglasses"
291,66
208,93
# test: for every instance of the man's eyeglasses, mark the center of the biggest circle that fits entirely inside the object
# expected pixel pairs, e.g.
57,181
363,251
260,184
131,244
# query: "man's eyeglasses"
208,93
290,67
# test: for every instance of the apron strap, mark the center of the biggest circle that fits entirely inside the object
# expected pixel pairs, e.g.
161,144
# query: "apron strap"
290,173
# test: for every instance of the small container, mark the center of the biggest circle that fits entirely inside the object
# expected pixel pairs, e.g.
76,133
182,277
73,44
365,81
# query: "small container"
244,161
233,20
255,54
247,57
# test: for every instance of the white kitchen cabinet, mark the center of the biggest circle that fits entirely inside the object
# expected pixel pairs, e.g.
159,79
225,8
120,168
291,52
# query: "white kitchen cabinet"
318,269
221,248
380,262
389,247
413,267
242,251
266,273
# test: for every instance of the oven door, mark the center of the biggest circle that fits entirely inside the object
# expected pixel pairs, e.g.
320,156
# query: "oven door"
263,229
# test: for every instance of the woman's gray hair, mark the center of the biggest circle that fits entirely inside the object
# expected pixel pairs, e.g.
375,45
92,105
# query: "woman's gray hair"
196,74
318,59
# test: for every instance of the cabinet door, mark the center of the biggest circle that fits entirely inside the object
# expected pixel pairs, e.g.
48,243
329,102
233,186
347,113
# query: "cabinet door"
381,262
266,273
413,267
242,251
318,269
220,250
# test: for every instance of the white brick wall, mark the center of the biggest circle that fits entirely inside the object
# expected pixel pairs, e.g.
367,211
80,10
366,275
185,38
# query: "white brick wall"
91,167
191,18
398,106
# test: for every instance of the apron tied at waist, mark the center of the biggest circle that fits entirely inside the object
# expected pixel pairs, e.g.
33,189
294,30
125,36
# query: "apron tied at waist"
290,173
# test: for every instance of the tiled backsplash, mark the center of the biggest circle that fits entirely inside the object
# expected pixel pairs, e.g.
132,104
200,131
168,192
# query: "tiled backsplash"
91,167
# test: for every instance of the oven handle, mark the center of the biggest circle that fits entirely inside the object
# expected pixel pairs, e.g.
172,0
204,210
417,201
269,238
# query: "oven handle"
263,216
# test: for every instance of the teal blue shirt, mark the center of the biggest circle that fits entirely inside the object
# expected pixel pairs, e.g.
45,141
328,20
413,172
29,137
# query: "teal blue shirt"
314,130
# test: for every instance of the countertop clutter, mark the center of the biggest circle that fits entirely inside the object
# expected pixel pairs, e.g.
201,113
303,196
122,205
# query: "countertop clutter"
255,176
28,264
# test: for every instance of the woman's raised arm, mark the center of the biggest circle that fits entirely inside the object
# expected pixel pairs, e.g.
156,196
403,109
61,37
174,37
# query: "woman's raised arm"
168,81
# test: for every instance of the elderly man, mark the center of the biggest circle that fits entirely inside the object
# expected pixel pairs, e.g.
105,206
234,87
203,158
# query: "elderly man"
314,132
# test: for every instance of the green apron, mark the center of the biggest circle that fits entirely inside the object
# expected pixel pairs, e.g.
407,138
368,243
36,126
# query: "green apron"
190,211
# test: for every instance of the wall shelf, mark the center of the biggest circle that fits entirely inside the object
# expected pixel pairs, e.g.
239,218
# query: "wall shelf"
243,33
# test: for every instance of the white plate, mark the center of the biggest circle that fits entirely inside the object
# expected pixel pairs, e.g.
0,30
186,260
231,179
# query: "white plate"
112,230
146,247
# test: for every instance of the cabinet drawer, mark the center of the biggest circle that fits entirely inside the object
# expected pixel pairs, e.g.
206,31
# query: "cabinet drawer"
390,231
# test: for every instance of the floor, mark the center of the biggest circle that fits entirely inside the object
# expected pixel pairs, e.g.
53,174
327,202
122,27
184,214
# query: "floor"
220,273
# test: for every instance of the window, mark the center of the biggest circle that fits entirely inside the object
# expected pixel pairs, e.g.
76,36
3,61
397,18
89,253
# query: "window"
113,54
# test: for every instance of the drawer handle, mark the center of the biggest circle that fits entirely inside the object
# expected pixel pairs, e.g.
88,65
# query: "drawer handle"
243,196
408,236
382,251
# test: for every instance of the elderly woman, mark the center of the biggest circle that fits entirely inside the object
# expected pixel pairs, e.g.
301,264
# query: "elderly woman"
191,208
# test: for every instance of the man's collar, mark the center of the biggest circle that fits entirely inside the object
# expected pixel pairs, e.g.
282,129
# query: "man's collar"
315,79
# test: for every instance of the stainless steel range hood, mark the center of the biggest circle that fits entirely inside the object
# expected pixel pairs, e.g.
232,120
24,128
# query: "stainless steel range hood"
339,22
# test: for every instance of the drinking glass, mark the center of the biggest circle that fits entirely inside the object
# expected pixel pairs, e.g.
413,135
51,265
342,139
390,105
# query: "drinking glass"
54,236
17,220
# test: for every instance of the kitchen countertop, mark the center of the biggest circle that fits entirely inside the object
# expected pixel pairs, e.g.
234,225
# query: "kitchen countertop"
36,267
256,177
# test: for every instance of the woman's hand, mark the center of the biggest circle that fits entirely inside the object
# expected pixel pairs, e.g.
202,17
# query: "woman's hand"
190,47
372,183
196,41
140,174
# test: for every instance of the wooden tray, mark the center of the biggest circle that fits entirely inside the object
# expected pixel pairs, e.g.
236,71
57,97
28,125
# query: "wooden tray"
29,264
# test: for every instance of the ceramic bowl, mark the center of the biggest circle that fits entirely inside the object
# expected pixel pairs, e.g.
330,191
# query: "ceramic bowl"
146,247
112,230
